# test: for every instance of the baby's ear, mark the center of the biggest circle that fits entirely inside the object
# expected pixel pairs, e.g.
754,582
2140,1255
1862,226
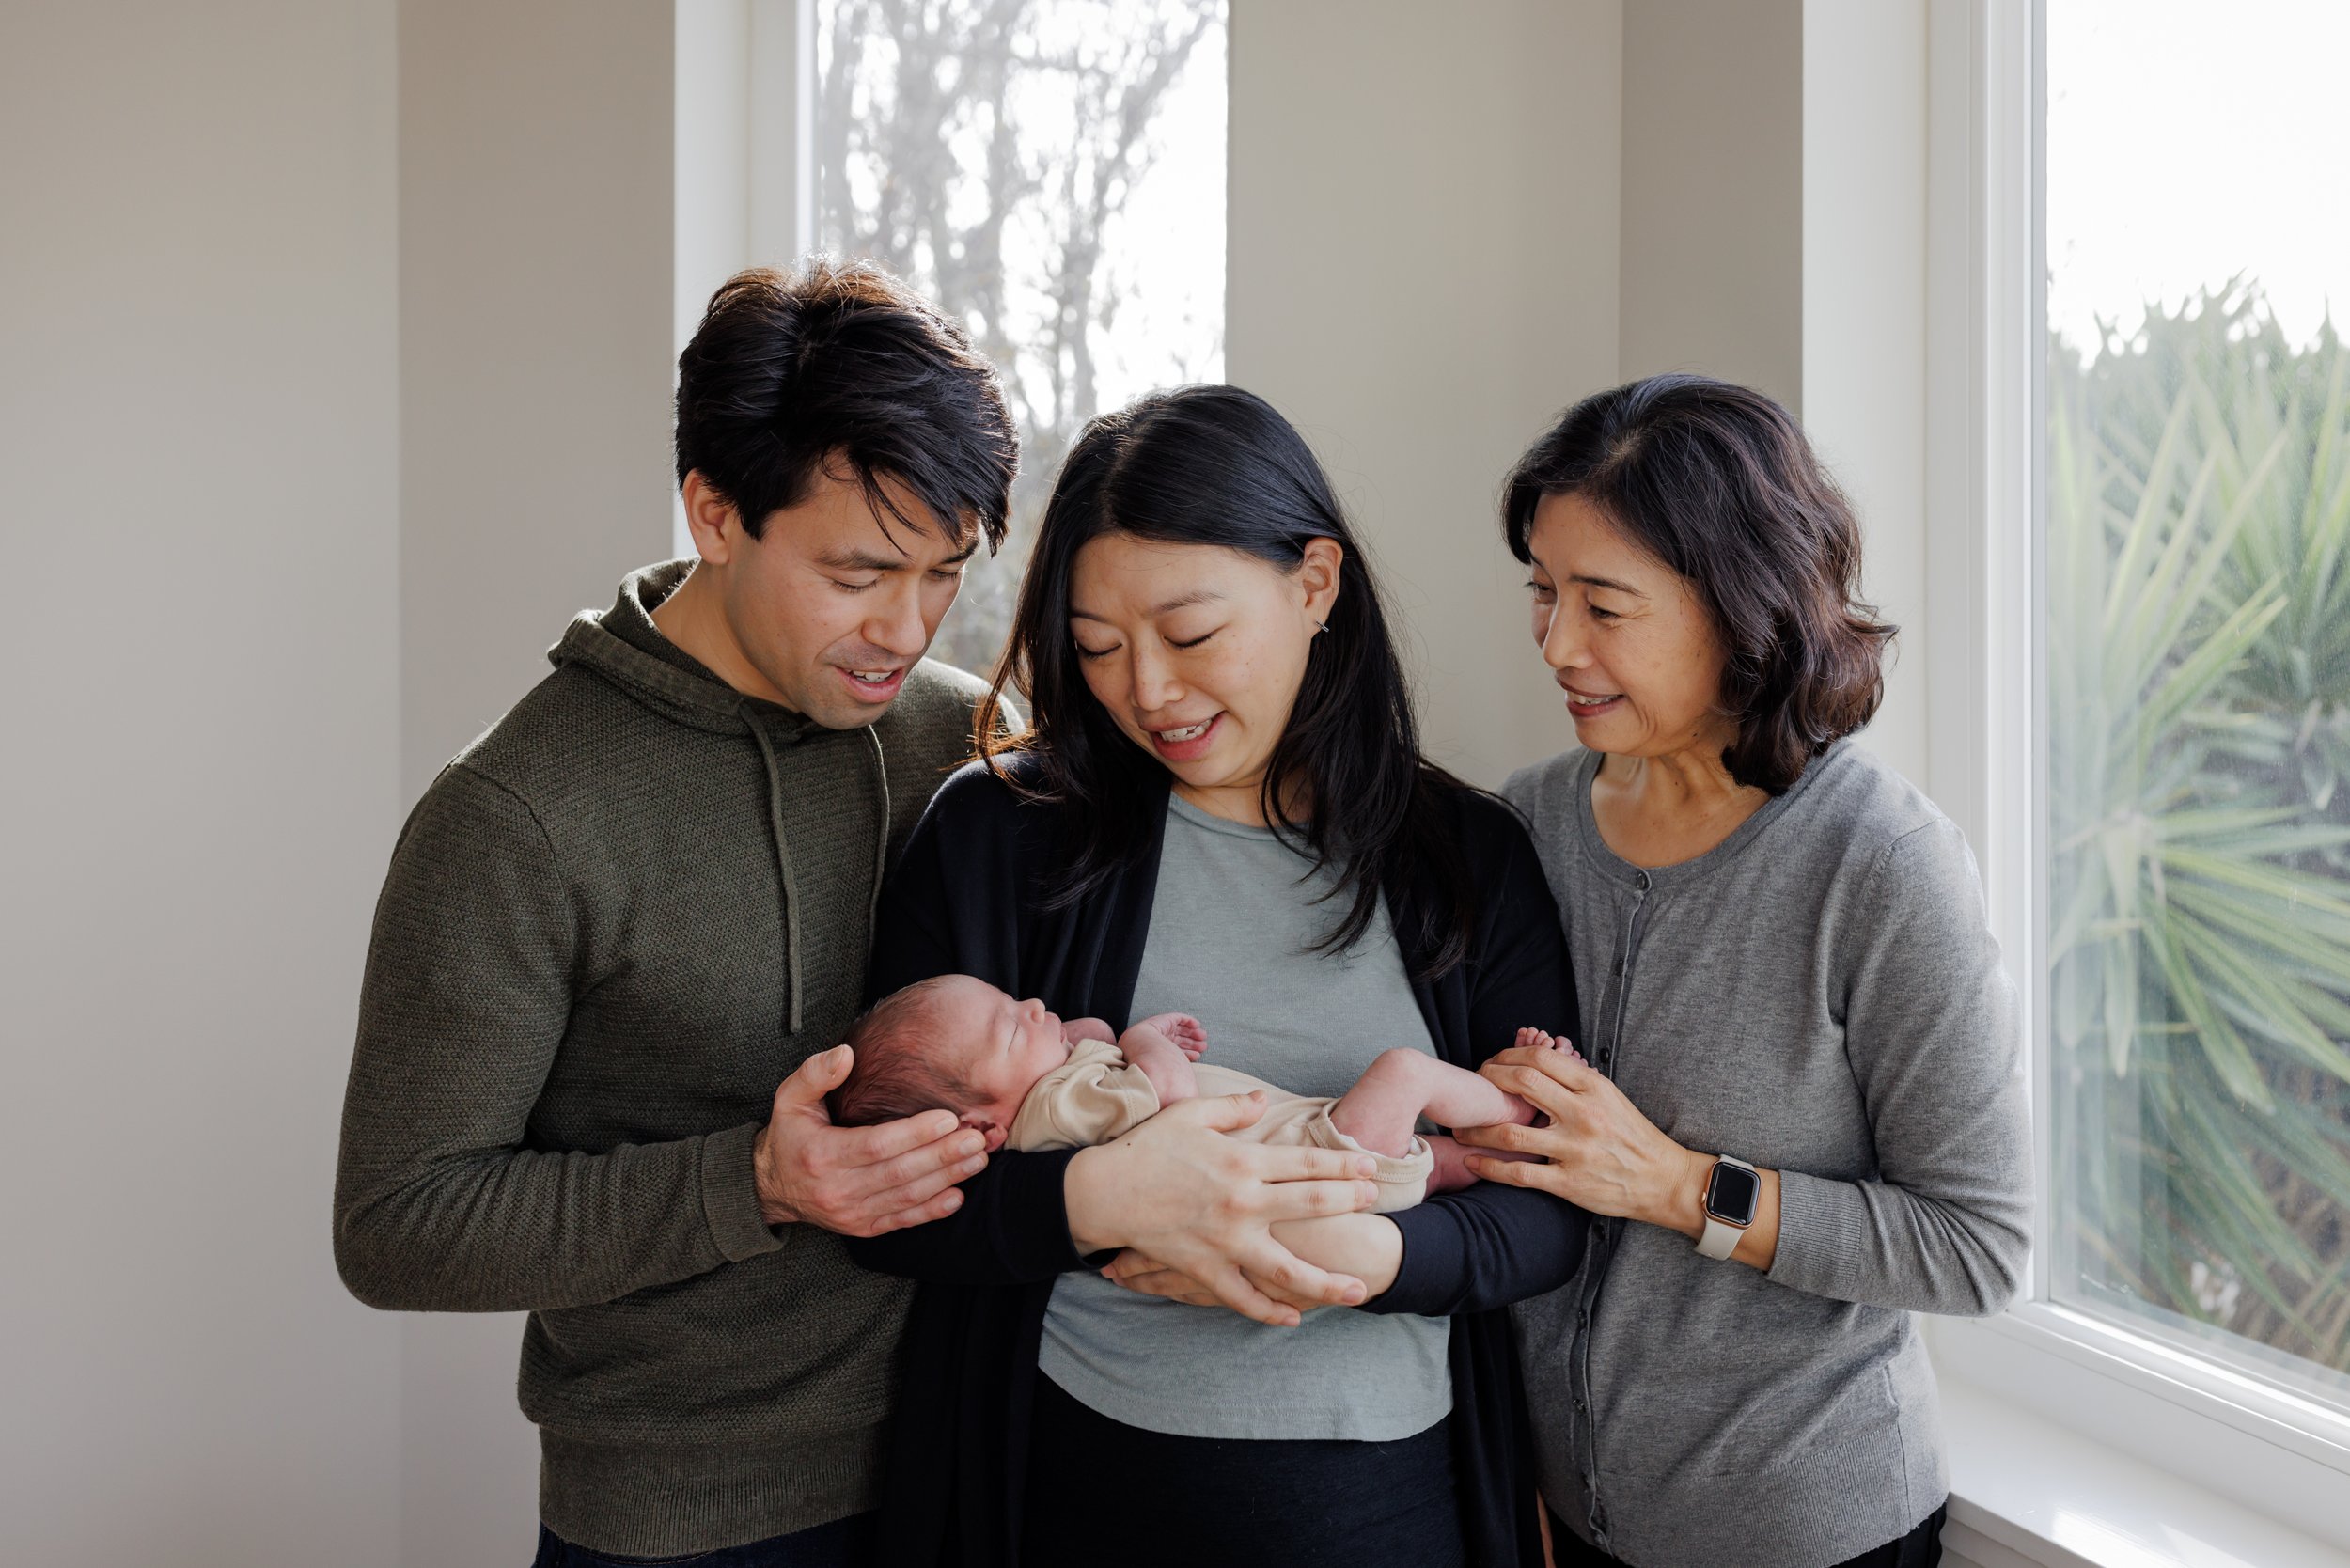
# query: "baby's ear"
984,1125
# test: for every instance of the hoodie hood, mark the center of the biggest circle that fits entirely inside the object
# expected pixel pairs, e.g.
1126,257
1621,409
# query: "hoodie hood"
624,647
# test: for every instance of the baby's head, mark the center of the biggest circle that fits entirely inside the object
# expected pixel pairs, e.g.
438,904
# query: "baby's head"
955,1043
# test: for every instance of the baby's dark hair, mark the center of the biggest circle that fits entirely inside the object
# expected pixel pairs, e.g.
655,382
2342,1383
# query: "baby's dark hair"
904,1064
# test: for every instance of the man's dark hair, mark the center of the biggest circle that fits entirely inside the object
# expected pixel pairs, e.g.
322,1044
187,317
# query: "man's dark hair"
1215,466
843,364
1718,483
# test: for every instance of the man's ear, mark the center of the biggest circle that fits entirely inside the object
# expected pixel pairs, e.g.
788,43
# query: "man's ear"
985,1125
717,525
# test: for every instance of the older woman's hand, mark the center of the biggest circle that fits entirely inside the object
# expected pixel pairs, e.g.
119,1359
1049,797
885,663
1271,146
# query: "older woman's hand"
1179,1193
1599,1152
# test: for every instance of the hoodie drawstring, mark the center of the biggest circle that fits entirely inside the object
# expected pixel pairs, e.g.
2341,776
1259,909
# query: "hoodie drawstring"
783,854
783,869
881,850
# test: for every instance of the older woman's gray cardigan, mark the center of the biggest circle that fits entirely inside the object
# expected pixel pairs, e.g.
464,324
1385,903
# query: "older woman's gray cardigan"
1819,994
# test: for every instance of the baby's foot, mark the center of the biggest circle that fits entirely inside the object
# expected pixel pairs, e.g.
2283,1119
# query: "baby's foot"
1189,1034
1545,1041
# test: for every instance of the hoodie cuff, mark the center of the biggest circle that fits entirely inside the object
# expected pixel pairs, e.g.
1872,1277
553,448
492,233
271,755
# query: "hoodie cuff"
731,1196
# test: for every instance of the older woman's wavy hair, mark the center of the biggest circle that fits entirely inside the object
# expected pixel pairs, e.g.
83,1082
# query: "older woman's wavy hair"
1719,482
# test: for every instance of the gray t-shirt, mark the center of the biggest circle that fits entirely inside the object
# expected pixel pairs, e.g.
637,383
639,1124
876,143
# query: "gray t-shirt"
1232,928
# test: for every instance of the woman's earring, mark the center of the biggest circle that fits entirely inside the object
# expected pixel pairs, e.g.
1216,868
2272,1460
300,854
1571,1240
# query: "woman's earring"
1320,627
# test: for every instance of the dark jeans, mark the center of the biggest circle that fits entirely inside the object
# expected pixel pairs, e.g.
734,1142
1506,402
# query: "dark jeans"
1104,1492
1920,1548
843,1544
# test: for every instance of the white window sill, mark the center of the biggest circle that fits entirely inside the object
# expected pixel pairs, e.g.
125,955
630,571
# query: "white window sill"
2025,1491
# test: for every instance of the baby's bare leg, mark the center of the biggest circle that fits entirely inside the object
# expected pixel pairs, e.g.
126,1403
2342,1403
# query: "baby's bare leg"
1164,1063
1399,1088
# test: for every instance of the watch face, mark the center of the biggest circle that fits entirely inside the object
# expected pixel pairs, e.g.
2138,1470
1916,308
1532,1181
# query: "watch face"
1731,1195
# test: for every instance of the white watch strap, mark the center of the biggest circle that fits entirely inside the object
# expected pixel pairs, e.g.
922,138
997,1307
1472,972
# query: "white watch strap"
1721,1238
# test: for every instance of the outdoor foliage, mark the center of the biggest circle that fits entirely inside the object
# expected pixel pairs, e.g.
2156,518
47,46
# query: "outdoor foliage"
2198,677
987,150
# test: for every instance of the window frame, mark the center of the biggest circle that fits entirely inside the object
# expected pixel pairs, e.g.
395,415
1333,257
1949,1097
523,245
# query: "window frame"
1987,738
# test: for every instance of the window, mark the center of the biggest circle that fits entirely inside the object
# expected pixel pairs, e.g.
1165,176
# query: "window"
2196,571
1052,173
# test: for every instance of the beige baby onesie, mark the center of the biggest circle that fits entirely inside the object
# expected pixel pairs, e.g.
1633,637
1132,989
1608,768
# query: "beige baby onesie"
1098,1095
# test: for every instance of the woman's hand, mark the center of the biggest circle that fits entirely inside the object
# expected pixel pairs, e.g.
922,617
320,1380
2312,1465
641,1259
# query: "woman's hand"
1603,1156
1178,1191
1367,1248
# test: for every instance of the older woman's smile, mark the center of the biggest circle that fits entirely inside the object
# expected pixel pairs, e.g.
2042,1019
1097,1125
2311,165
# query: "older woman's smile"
1584,704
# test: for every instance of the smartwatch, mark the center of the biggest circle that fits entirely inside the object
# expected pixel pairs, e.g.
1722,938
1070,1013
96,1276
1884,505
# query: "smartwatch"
1731,1193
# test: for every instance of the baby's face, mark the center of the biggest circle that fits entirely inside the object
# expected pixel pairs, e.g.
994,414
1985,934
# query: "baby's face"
1011,1044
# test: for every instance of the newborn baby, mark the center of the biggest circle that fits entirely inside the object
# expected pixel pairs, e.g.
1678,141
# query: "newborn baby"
1018,1074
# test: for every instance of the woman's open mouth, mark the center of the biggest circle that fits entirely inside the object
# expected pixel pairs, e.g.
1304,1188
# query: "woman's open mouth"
1188,742
1581,705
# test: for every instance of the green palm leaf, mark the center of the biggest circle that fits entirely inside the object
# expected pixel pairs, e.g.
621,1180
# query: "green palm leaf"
2198,592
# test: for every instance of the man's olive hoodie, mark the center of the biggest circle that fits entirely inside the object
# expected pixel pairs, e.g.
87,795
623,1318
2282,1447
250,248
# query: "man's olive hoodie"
613,924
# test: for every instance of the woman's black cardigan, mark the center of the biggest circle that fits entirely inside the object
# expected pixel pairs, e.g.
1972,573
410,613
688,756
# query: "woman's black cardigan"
969,897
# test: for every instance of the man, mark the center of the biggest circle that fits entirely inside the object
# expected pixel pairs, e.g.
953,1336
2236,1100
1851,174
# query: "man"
619,919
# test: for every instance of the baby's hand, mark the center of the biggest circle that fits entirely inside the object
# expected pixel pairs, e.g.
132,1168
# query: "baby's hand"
1542,1040
1187,1033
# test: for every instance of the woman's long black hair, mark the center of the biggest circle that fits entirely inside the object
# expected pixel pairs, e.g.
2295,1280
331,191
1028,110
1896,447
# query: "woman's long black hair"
1217,466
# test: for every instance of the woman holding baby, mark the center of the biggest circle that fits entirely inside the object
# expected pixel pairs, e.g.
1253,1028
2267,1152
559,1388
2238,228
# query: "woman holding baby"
1219,813
1793,1120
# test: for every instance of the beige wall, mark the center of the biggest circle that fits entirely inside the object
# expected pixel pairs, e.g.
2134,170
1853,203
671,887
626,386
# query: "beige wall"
1713,191
535,364
198,481
535,358
1864,314
1423,247
1774,234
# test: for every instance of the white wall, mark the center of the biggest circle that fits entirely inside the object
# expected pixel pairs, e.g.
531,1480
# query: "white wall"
535,365
1423,248
198,481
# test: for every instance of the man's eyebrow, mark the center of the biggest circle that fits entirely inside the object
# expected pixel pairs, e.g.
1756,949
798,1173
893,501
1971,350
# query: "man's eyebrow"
868,560
1181,602
1607,583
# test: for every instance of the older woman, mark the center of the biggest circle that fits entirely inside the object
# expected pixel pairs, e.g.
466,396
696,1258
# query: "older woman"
1800,1109
1220,809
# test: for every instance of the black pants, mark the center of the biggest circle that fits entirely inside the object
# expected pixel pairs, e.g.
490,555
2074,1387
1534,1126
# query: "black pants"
843,1544
1920,1548
1103,1492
